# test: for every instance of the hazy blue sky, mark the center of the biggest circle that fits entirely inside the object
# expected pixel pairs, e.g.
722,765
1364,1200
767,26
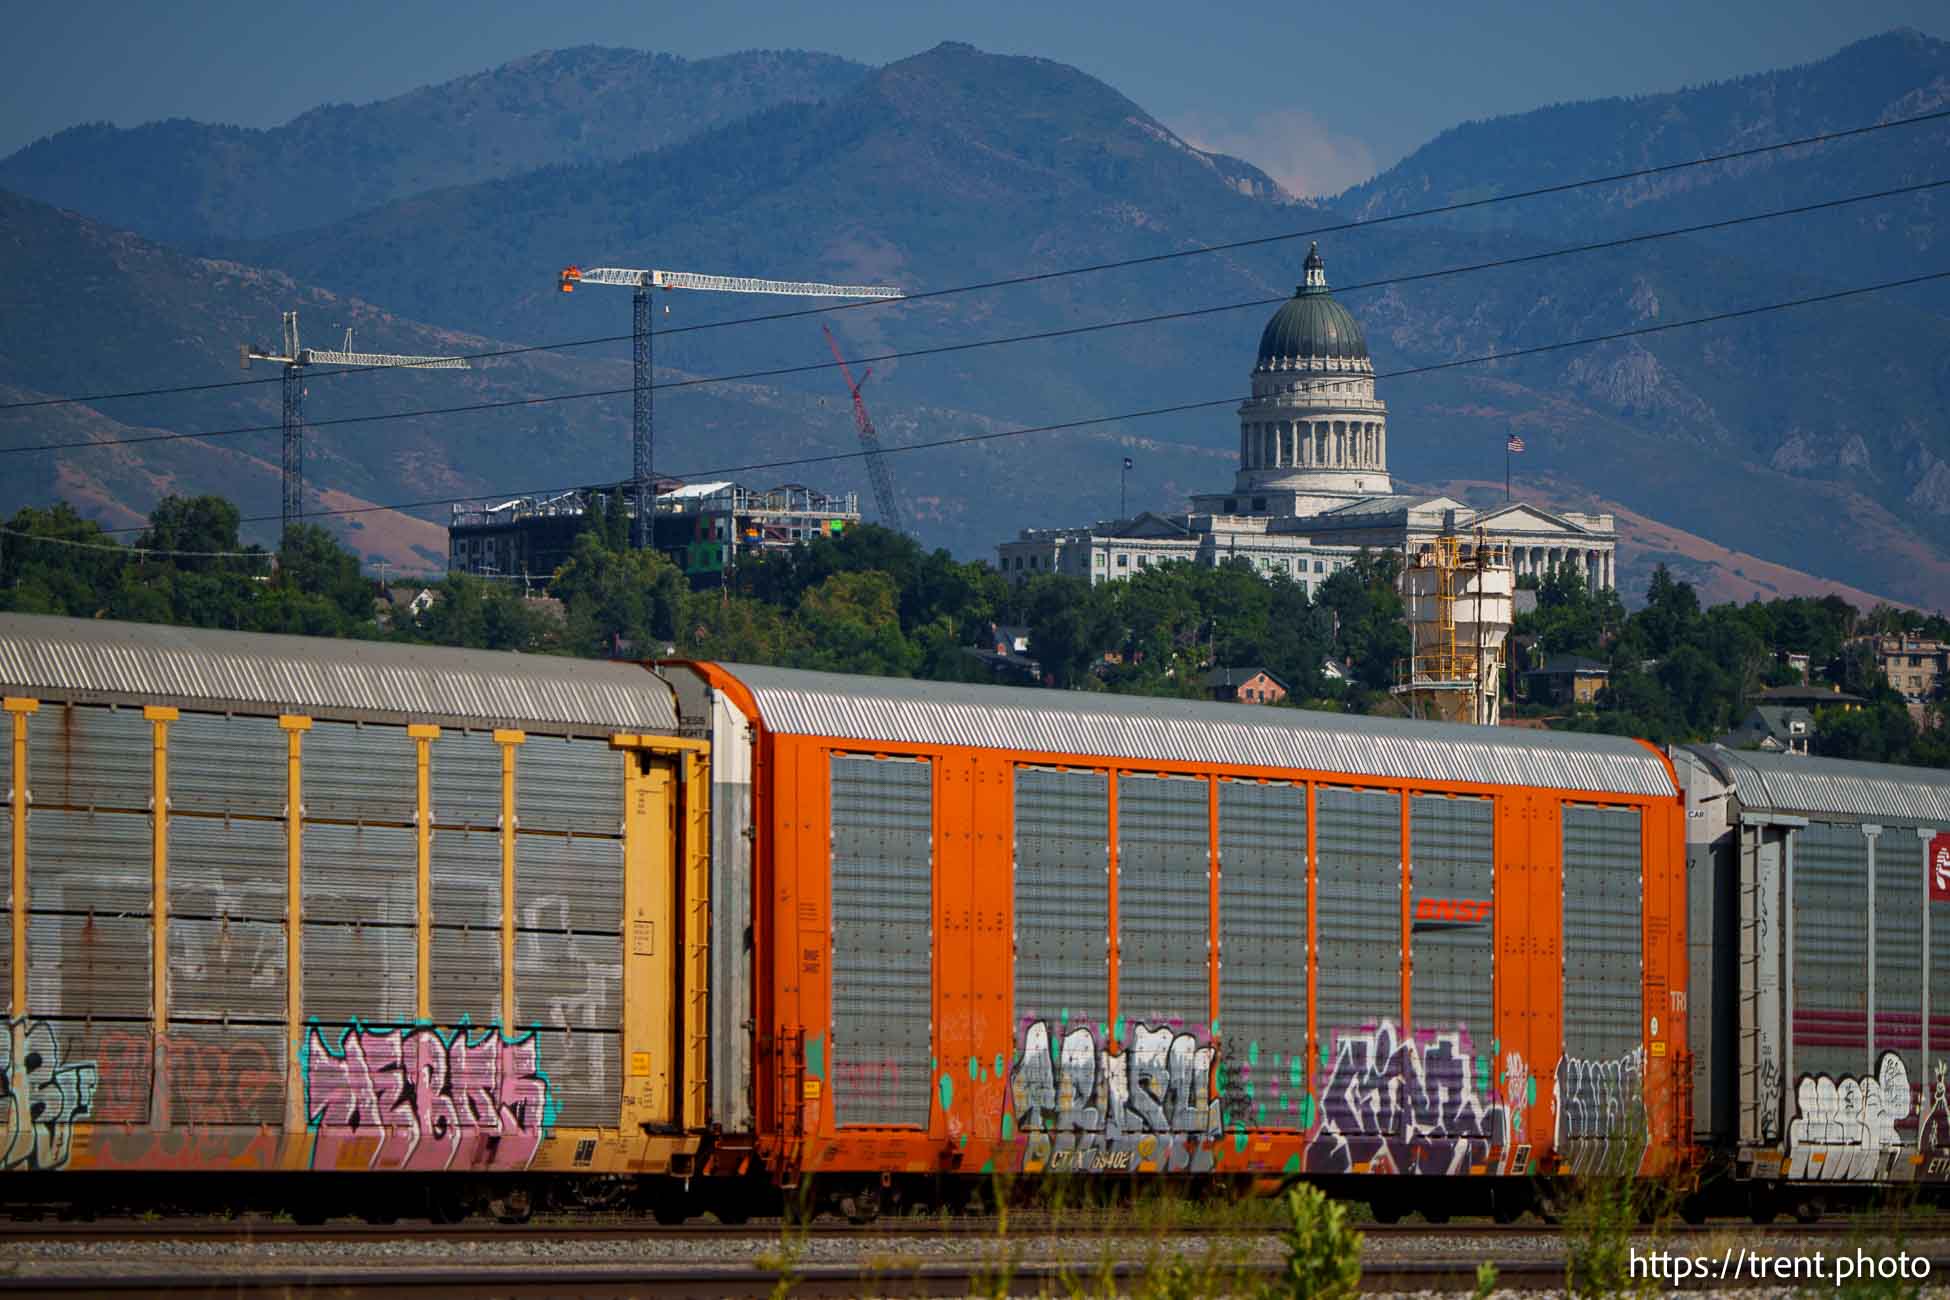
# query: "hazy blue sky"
1319,95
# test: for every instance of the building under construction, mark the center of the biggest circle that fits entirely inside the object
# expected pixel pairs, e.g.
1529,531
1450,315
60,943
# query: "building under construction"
703,528
1458,596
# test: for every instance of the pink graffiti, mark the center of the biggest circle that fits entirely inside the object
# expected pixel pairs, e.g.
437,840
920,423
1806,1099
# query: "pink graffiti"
422,1099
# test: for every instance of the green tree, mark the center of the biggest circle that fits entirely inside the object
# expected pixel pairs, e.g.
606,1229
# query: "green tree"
610,596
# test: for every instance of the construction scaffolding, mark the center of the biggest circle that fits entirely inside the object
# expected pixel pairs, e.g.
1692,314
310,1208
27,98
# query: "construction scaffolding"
1459,597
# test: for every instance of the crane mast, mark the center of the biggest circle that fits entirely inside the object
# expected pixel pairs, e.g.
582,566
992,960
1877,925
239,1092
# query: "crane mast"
294,358
642,445
893,513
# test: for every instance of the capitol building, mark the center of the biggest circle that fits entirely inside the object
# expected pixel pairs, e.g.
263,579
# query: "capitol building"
1312,489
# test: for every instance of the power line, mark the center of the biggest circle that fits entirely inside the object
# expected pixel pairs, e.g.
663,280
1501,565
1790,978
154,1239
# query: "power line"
1180,407
1033,337
1041,276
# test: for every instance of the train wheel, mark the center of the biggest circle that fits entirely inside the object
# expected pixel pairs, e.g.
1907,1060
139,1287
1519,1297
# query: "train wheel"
1808,1210
512,1206
1762,1206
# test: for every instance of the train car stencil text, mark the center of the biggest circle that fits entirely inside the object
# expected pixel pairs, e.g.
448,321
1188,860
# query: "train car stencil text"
43,1098
422,1098
1080,1106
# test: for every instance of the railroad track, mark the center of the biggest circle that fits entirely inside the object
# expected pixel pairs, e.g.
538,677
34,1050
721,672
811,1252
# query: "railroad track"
203,1228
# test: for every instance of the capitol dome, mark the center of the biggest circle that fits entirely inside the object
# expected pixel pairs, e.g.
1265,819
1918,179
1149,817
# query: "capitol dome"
1311,326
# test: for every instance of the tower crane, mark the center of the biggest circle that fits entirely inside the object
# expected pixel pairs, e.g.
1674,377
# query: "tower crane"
294,359
893,512
641,445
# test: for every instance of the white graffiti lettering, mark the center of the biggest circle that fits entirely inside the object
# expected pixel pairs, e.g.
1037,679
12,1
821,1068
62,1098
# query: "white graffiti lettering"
1599,1108
1844,1129
1080,1106
42,1098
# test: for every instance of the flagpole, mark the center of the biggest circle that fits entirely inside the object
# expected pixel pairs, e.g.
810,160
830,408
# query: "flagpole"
1123,479
1506,471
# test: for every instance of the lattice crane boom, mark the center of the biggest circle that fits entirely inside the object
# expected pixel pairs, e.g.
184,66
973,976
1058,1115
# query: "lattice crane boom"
294,358
642,444
893,512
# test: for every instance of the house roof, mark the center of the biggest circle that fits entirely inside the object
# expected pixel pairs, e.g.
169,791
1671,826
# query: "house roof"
1239,677
1807,696
1571,665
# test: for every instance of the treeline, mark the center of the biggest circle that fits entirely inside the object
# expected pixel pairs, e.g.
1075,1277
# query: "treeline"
1680,671
872,601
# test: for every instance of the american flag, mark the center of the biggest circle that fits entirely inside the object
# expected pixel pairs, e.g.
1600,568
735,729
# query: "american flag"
1127,462
1515,443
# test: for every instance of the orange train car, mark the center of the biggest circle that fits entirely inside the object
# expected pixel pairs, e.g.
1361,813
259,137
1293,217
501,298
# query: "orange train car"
997,930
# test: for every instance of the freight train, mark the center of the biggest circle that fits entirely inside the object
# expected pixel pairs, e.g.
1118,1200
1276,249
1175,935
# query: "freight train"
486,931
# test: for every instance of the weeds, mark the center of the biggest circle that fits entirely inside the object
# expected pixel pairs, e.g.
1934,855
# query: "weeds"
1323,1253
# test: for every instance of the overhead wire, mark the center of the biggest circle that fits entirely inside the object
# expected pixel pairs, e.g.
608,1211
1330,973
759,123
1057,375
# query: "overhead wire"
1030,337
139,551
1060,273
1177,408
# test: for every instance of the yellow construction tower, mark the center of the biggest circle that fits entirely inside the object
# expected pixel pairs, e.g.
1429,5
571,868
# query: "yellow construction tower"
1458,597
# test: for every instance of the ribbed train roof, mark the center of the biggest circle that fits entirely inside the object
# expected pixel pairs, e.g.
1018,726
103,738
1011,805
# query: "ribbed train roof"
897,710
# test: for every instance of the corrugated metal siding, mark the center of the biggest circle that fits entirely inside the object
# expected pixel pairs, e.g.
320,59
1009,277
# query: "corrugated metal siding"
1878,792
1062,899
54,658
1263,952
1358,889
464,868
584,1077
1164,900
227,868
569,980
217,1075
568,884
1451,844
89,756
1899,957
363,973
731,915
1939,975
1603,941
88,966
363,874
1829,965
882,820
124,1056
465,781
569,786
360,774
232,766
226,970
89,862
795,702
465,982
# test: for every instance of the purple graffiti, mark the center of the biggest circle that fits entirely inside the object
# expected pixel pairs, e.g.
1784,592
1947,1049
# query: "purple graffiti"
1392,1104
421,1099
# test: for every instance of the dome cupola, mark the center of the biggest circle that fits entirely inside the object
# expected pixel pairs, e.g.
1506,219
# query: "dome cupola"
1310,327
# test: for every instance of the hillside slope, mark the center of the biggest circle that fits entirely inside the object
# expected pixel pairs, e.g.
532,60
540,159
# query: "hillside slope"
188,182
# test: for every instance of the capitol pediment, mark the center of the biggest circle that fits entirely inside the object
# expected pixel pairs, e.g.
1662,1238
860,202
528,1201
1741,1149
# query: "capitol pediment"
1528,520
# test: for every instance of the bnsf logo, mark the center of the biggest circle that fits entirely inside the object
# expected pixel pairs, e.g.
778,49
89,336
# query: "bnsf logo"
1469,909
1940,864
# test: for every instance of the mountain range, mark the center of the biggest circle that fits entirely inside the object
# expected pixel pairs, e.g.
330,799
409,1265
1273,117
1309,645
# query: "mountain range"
957,167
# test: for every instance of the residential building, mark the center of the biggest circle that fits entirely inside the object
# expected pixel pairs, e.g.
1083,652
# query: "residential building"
1914,665
1568,679
1777,728
1312,487
1808,697
1244,686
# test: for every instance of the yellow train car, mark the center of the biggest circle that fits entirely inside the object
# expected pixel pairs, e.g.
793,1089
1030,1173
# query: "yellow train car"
288,904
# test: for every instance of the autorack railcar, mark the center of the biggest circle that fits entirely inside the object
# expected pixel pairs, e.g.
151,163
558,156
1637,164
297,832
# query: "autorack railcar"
483,928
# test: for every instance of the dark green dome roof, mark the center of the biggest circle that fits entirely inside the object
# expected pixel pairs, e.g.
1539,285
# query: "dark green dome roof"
1311,324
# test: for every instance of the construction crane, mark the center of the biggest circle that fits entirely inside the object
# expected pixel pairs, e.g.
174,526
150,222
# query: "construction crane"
294,359
892,511
641,445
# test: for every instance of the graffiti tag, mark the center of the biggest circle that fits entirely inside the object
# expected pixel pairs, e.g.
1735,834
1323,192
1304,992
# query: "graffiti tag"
1601,1123
43,1097
1082,1107
1844,1129
422,1098
1411,1105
